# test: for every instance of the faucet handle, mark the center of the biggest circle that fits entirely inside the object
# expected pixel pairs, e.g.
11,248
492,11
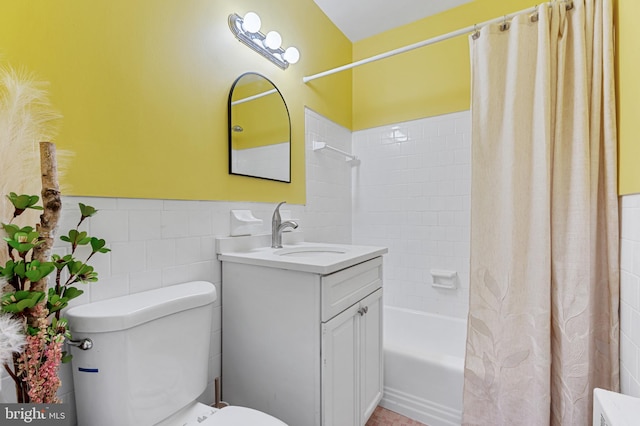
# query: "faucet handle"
276,212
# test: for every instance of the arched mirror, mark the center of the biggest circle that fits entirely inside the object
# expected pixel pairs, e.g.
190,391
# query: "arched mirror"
259,129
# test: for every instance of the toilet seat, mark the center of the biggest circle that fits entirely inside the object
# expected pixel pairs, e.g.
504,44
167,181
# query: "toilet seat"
197,414
241,416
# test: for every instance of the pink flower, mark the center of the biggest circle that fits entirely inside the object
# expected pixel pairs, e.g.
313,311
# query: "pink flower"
38,364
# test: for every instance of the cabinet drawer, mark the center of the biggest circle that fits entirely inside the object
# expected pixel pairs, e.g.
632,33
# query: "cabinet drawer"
344,288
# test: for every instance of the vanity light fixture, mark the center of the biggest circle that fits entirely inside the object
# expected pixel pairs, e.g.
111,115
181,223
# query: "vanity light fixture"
247,30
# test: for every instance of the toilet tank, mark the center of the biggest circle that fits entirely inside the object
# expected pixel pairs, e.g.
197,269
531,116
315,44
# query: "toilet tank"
150,354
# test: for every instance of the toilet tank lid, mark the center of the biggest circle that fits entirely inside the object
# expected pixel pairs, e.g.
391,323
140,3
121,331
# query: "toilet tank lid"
125,312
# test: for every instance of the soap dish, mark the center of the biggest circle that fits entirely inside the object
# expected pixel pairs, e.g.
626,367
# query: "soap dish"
244,223
444,279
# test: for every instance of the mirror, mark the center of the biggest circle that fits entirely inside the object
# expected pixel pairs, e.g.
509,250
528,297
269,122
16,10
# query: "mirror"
259,130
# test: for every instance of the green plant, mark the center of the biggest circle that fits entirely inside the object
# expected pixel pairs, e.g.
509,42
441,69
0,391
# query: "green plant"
35,368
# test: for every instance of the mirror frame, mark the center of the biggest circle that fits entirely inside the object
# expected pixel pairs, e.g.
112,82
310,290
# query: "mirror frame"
230,127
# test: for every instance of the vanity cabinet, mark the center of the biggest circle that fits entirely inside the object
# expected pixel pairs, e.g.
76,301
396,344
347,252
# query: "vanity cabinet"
303,347
352,363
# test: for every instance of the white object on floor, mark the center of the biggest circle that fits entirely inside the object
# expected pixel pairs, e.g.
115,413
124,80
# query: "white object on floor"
615,409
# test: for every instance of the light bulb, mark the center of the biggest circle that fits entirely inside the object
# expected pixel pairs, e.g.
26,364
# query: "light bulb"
273,40
291,55
251,22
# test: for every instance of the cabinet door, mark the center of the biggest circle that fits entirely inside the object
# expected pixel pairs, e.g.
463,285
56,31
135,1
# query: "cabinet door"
370,355
340,369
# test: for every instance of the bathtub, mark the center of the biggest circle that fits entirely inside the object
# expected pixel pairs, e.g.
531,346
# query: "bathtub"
423,366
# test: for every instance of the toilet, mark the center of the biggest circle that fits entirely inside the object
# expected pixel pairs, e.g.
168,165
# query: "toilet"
149,361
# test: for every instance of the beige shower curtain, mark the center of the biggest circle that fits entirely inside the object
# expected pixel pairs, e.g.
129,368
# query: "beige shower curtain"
544,295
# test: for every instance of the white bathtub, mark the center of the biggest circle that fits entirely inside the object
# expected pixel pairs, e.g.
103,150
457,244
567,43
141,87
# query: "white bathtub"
423,366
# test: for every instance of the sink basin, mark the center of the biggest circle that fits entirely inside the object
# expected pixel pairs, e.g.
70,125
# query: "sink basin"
309,251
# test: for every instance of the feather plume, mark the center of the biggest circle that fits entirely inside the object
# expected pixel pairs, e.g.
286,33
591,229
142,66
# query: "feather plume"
26,118
12,337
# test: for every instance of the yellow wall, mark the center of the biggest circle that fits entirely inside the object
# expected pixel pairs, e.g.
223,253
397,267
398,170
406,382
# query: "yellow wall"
626,15
143,87
425,82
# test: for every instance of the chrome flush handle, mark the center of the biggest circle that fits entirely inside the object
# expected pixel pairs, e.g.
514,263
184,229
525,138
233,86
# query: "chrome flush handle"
84,344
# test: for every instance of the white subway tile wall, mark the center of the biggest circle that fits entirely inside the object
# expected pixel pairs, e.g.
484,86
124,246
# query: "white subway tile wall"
411,193
630,295
328,208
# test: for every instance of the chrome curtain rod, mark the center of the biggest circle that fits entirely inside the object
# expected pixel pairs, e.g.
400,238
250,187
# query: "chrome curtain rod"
434,40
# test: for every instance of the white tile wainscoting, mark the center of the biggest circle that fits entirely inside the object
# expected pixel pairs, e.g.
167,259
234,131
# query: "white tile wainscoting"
630,295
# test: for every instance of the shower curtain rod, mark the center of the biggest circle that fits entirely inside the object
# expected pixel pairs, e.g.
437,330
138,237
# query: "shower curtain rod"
471,28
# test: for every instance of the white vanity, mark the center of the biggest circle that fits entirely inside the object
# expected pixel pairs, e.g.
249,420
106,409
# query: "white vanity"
302,329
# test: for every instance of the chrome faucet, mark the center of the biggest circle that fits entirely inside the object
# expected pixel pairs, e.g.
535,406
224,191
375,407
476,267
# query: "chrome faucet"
277,226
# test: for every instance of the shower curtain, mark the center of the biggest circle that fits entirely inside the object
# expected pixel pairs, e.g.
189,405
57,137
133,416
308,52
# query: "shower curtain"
543,326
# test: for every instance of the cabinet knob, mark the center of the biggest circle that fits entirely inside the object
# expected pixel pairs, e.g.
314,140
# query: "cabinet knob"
361,311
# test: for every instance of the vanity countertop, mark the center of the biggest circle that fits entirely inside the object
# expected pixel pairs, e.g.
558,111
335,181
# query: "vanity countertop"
296,255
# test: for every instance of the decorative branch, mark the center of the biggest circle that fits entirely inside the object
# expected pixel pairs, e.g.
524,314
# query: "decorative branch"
52,204
21,393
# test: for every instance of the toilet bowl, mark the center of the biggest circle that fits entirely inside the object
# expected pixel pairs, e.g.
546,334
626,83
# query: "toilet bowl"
148,360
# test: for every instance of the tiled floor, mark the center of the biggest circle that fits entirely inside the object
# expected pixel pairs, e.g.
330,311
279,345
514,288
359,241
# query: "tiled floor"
384,417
